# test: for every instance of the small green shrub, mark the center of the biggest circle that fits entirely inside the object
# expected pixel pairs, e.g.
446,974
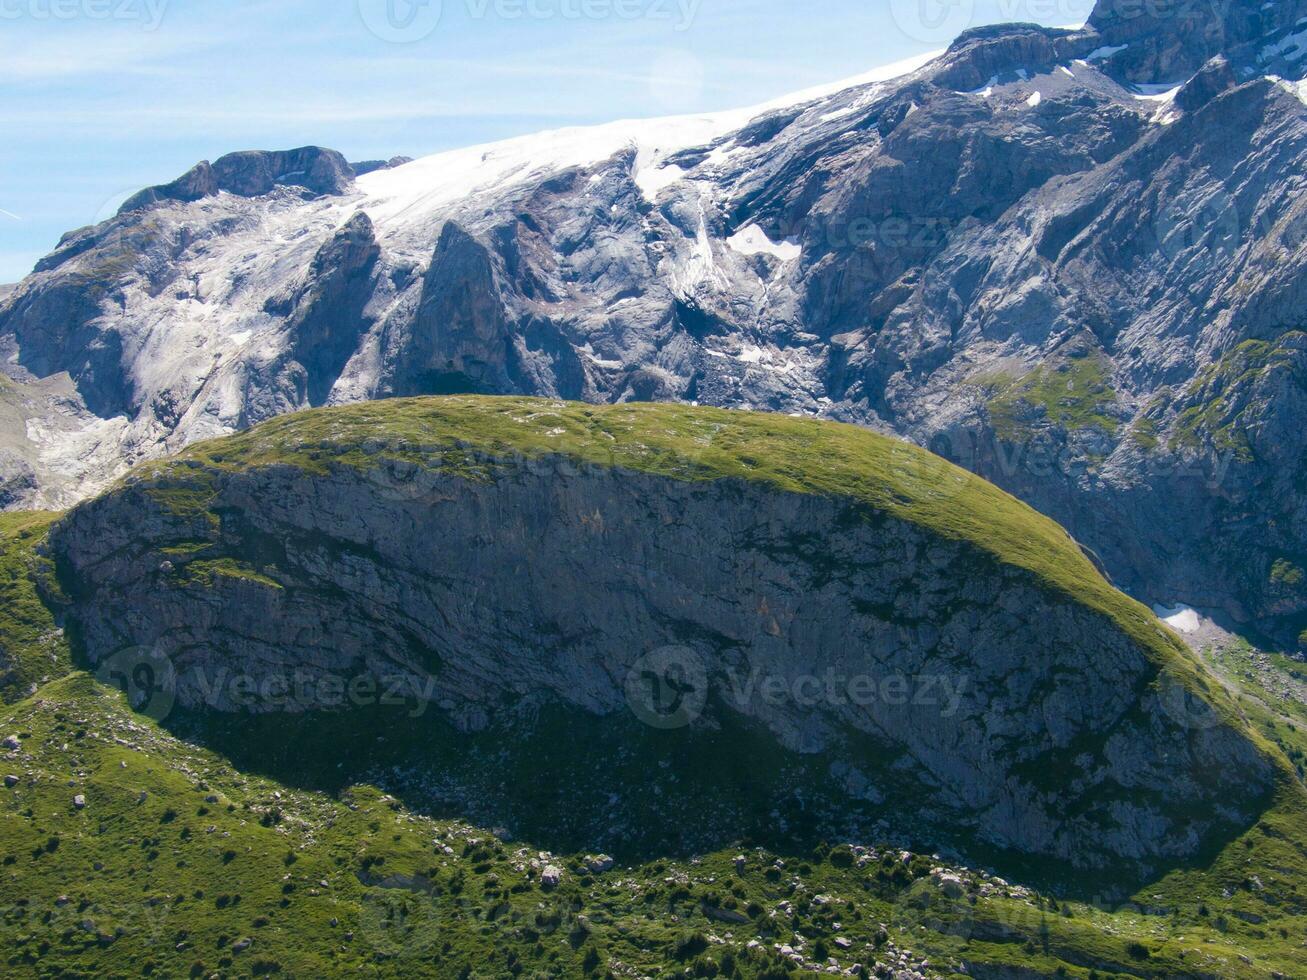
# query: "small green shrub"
1286,573
688,946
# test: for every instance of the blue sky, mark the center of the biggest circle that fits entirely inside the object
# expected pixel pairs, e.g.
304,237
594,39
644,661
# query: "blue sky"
101,97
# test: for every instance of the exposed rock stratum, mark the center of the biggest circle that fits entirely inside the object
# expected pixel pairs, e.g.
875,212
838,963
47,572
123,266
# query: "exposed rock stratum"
516,556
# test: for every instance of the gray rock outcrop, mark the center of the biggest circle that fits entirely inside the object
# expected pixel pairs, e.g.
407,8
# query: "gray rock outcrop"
1017,714
253,173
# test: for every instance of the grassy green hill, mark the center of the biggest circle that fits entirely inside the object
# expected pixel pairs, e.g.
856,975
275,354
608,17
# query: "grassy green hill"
467,434
174,863
32,650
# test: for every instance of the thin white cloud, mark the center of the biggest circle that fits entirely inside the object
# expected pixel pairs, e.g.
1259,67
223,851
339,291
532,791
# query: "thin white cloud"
37,58
302,113
538,70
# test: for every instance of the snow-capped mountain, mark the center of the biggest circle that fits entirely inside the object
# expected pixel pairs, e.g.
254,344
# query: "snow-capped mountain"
1071,260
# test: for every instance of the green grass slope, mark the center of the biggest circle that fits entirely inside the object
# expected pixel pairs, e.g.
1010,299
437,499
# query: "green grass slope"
32,648
179,865
176,863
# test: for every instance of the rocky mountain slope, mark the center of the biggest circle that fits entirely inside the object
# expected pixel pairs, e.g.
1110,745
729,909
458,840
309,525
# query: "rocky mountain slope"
526,564
355,544
1070,261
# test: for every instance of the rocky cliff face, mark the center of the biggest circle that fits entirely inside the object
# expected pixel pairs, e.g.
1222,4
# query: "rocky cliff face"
1032,718
1031,255
1170,41
254,173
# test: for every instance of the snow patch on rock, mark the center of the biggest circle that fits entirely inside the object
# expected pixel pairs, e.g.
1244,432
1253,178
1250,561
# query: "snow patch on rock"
752,240
1157,93
1102,54
986,90
412,192
1181,618
1292,47
653,181
1297,89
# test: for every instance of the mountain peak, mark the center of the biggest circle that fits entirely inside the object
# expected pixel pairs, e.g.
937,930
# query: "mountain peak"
1171,41
251,173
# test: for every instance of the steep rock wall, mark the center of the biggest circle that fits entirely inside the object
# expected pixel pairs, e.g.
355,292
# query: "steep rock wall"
500,578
